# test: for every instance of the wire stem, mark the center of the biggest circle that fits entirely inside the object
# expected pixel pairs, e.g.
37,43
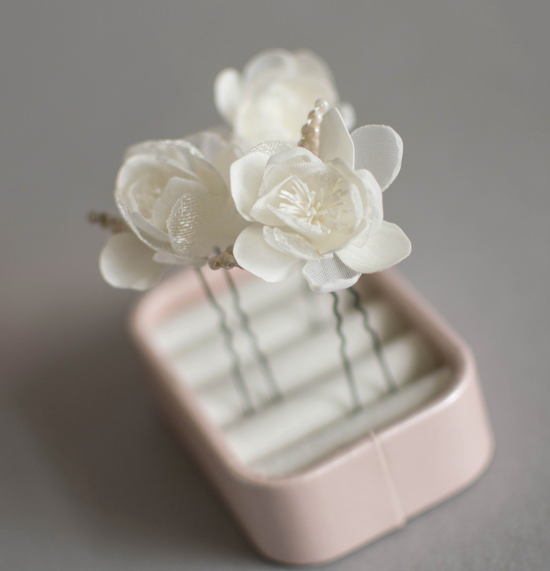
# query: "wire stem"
345,360
228,338
260,355
376,343
312,307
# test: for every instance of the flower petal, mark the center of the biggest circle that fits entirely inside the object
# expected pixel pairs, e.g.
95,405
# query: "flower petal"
149,233
227,92
125,262
145,230
379,149
325,276
271,148
225,158
335,140
246,176
311,64
263,210
166,258
348,114
372,195
208,143
290,156
363,179
382,250
173,191
144,173
254,255
279,169
268,61
290,243
196,223
158,154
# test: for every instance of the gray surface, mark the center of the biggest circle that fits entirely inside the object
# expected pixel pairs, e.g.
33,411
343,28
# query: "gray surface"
89,478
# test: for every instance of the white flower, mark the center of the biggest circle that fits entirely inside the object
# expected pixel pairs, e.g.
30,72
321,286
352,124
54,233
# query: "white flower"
274,94
174,197
326,210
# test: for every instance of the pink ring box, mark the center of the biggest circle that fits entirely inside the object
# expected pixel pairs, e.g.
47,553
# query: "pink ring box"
308,481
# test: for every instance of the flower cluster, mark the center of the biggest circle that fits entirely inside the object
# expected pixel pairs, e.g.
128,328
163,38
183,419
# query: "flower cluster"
277,205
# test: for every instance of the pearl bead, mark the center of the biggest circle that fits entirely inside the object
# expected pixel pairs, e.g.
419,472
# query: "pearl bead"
315,117
308,131
310,146
322,106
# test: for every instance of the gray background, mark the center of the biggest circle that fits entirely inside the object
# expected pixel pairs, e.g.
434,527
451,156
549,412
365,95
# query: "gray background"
89,476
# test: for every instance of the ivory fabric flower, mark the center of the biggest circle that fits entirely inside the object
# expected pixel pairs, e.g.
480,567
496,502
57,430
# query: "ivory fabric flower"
174,197
325,211
276,90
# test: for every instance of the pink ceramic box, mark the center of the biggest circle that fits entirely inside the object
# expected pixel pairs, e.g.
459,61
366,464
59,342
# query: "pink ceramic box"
364,488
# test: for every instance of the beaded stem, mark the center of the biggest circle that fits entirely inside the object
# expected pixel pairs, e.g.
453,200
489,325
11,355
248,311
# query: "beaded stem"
310,131
225,260
113,223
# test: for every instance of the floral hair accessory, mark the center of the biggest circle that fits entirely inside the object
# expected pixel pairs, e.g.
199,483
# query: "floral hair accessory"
309,198
322,212
174,197
271,97
315,203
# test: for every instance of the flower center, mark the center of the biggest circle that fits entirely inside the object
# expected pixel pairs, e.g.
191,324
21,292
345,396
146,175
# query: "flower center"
320,208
